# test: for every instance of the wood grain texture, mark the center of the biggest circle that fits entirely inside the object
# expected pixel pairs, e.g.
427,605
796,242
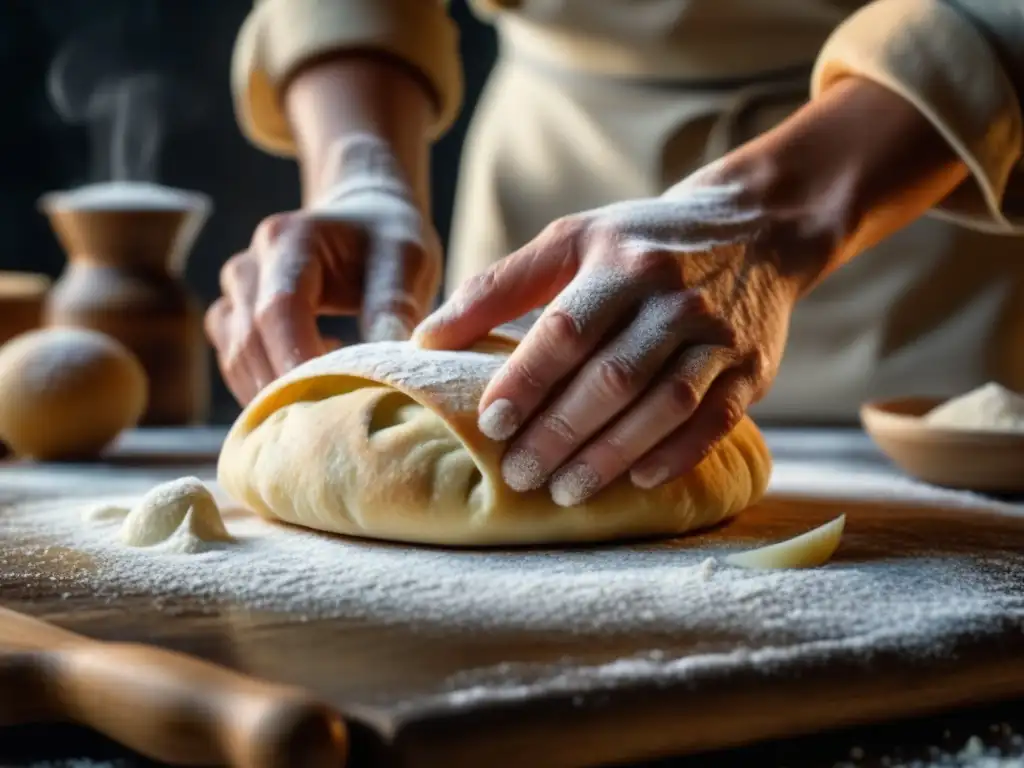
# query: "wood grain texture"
384,677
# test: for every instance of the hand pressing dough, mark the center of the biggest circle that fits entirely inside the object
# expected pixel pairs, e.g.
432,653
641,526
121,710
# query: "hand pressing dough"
807,550
380,441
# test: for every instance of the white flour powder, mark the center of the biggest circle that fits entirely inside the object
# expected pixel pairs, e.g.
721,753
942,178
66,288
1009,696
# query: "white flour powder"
989,408
917,604
129,194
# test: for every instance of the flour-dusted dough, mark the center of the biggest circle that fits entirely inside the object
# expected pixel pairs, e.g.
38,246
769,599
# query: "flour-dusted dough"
380,441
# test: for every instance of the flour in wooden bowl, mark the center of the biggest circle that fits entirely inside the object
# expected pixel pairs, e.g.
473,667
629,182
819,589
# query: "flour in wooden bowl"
990,408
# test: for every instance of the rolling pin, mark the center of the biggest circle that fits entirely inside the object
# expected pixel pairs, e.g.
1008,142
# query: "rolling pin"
164,705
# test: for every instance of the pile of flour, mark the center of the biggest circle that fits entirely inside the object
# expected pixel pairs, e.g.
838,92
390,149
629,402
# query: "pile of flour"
920,604
991,408
129,194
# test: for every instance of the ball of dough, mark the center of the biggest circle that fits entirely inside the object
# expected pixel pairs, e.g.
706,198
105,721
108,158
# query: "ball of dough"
381,441
66,393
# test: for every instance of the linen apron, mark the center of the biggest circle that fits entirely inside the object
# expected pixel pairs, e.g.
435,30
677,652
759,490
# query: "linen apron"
934,310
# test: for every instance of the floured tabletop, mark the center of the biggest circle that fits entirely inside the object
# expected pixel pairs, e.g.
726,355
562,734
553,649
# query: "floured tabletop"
600,654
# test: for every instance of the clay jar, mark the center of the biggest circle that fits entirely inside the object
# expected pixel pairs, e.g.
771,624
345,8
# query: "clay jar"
127,245
22,295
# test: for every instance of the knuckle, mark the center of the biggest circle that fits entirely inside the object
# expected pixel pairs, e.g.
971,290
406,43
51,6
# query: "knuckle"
561,330
479,285
615,378
563,230
683,394
522,374
560,427
233,272
758,365
269,229
729,415
215,318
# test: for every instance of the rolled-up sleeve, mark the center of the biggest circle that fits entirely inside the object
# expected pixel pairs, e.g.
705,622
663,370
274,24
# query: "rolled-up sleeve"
961,64
279,36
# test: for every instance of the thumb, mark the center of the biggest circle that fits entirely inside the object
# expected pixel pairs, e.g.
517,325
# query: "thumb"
509,289
400,280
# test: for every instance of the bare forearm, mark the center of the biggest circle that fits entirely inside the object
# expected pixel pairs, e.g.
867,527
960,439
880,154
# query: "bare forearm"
852,168
330,101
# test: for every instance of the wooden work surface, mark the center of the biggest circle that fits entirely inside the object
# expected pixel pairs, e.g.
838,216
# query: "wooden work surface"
380,675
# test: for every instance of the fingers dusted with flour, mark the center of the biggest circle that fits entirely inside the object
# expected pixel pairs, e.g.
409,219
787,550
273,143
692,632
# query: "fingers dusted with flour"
362,244
661,319
364,248
401,280
665,318
289,291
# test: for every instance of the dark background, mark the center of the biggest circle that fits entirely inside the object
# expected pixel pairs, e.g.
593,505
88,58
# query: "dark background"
39,152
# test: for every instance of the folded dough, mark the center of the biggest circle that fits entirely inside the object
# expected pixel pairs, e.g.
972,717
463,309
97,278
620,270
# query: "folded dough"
380,441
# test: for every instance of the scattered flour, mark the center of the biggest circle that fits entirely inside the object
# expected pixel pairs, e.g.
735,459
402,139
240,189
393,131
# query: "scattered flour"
128,195
991,408
1005,750
726,619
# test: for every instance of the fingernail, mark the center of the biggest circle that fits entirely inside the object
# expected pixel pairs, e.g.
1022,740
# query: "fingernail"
521,470
574,485
500,420
649,478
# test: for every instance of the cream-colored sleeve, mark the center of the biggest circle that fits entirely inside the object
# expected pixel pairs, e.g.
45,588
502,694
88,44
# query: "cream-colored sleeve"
280,35
961,63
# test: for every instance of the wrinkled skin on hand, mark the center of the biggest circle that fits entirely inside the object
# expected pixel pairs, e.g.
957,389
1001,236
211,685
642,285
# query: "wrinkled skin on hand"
364,249
665,319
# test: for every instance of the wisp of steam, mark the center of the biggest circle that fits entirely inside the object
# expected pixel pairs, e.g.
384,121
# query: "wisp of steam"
118,79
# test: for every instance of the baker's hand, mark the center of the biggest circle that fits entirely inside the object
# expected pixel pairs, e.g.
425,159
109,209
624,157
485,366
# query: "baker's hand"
363,248
665,319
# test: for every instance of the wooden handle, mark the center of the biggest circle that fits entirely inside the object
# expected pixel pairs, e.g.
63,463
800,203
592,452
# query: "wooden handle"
162,704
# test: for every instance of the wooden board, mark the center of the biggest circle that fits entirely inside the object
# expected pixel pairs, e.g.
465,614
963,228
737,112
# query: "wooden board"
386,677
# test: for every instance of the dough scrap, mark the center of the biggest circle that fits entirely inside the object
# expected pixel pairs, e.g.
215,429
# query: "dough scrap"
181,515
989,408
808,550
381,441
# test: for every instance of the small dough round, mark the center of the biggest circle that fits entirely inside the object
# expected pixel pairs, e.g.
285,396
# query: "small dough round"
381,441
66,393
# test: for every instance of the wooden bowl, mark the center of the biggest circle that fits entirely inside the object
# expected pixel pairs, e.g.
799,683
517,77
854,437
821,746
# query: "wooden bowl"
976,460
